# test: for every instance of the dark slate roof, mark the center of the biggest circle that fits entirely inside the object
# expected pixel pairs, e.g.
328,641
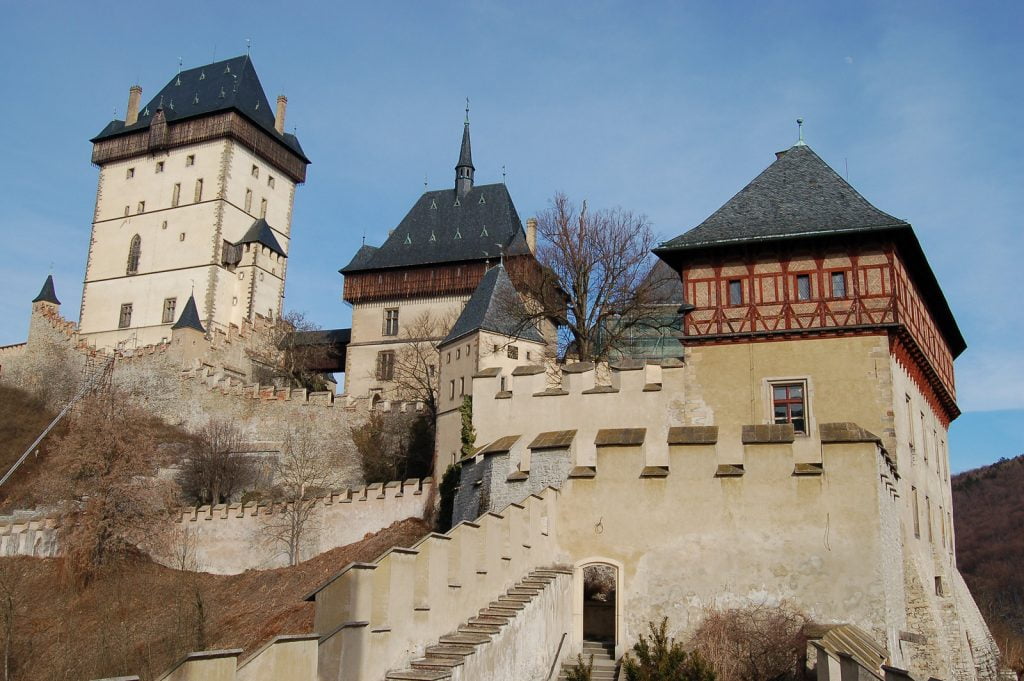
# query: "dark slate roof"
47,294
796,196
360,259
189,318
495,306
261,233
334,337
668,288
800,197
442,227
466,152
220,86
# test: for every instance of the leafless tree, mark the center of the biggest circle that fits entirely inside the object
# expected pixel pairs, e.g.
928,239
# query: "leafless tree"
11,607
306,468
753,643
290,353
217,466
394,445
415,374
595,276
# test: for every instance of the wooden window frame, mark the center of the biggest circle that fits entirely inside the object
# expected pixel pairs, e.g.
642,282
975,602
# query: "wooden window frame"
390,325
386,365
797,295
787,401
832,284
170,307
124,319
738,300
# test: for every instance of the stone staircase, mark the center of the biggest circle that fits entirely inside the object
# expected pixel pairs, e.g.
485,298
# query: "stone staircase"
452,649
605,666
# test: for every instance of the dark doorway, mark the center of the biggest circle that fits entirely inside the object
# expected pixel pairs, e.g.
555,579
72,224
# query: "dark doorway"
599,587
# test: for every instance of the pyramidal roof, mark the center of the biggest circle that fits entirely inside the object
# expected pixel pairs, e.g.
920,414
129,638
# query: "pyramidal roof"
47,293
495,306
231,84
465,152
796,196
189,318
445,227
260,232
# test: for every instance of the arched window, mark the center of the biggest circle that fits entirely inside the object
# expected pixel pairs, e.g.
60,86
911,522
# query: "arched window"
133,255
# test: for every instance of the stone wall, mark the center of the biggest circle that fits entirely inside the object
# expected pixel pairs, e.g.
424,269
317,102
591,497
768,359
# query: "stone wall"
28,533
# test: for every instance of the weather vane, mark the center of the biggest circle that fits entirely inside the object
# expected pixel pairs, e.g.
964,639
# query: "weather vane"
467,110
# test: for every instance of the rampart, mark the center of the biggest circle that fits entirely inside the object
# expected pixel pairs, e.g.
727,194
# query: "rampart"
232,538
28,534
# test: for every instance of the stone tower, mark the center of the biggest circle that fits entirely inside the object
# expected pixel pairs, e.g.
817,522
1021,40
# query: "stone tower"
195,198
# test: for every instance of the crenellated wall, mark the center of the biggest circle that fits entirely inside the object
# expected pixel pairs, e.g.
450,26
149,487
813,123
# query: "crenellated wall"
233,538
28,534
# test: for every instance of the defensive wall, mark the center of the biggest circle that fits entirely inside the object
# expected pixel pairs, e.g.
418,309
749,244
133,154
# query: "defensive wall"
233,538
28,534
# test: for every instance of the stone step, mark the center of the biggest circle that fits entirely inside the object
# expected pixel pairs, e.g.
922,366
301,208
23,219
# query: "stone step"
499,612
479,629
520,598
507,605
534,583
441,663
465,638
488,619
417,675
516,591
456,651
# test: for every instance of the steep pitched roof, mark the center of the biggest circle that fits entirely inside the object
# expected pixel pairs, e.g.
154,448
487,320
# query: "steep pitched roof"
360,259
444,227
261,233
47,294
189,318
220,86
465,152
668,289
495,306
796,196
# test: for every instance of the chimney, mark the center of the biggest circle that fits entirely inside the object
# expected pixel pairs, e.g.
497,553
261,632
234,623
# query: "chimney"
531,235
282,104
134,98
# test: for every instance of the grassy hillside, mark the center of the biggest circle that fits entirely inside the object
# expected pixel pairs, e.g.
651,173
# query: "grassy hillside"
989,514
138,617
22,419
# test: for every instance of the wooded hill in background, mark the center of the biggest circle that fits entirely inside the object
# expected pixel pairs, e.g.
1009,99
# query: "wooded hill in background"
989,513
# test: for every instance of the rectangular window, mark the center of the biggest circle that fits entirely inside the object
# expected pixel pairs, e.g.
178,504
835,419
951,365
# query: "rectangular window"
451,390
125,320
386,365
839,284
735,292
928,518
462,386
270,181
391,321
263,208
939,591
449,359
141,207
910,423
129,174
159,166
917,513
190,160
513,352
248,201
255,171
789,405
199,190
803,287
176,195
169,305
924,439
458,353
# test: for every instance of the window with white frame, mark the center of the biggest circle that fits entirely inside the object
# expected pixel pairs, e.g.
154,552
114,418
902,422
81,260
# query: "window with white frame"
391,321
789,404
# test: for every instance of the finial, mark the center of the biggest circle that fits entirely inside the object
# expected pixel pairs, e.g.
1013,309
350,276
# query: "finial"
467,110
179,66
193,286
501,255
248,46
424,182
503,173
800,132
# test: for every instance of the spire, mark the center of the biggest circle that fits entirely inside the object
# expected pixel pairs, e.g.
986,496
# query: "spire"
47,294
464,169
189,318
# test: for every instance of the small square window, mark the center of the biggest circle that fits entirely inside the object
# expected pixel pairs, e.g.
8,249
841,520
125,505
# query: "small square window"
513,352
181,237
451,390
462,386
449,359
789,405
248,201
159,166
142,207
270,181
169,305
495,348
839,284
255,171
125,320
735,292
163,225
129,174
803,287
458,353
199,191
127,210
176,195
190,160
263,208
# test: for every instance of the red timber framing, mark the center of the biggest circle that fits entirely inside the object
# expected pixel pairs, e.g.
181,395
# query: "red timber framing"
203,129
880,296
443,279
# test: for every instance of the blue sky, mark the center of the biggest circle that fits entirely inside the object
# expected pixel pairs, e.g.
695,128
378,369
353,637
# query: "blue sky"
663,108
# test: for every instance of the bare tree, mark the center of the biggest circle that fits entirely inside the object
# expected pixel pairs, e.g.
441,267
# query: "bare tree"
11,606
217,466
753,643
306,468
292,351
394,445
595,276
415,375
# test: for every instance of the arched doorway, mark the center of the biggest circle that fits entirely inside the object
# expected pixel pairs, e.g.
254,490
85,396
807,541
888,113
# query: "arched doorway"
600,603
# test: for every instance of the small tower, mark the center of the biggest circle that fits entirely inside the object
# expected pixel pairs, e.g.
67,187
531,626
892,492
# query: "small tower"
188,331
464,169
47,296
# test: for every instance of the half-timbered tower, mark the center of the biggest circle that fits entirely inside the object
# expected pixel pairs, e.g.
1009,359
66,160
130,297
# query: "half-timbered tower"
195,193
411,289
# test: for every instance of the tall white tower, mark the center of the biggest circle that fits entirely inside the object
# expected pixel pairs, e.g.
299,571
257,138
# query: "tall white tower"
195,197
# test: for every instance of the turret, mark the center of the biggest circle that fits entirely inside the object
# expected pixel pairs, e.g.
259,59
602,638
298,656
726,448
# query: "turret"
464,169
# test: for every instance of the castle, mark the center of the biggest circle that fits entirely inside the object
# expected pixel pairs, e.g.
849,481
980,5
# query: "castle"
793,449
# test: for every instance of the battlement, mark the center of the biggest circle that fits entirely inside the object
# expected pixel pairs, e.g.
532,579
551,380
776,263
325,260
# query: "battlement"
28,534
232,538
227,382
